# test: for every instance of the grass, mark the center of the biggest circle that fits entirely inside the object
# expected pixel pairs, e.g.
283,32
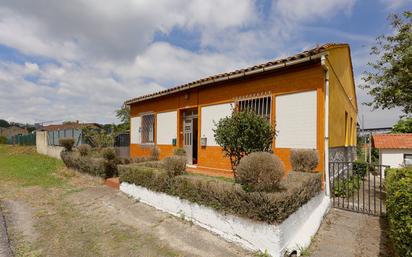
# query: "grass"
24,166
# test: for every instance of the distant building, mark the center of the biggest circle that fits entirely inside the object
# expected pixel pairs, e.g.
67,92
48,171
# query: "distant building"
395,150
72,129
13,131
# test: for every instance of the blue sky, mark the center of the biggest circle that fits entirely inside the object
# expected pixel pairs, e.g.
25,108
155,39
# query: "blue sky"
79,60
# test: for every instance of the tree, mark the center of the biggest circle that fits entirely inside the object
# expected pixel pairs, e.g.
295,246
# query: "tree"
4,124
123,114
403,126
243,133
390,80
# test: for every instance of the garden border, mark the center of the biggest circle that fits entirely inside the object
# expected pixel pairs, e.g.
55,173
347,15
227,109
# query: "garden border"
293,234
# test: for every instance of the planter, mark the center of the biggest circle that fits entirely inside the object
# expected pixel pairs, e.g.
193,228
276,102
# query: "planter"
291,235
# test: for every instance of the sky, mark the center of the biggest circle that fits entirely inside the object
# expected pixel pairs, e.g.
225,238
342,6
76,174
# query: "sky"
81,59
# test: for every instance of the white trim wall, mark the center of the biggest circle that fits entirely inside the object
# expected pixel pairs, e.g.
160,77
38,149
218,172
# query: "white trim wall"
210,115
166,127
135,133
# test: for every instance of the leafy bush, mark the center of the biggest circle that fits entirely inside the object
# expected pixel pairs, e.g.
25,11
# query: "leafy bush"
91,165
98,138
179,151
360,168
227,197
399,209
345,187
260,171
175,165
3,140
67,143
304,160
152,164
84,149
109,153
243,133
154,153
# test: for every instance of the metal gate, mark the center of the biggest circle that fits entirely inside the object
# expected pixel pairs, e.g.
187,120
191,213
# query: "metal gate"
358,187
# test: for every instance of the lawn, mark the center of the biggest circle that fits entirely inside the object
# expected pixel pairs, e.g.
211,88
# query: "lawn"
23,165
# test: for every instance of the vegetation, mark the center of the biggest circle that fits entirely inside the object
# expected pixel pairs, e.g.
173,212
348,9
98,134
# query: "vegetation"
228,197
360,168
305,160
175,165
23,165
84,149
399,209
98,138
123,114
67,143
243,133
389,81
3,140
154,153
4,123
260,171
179,151
403,126
346,186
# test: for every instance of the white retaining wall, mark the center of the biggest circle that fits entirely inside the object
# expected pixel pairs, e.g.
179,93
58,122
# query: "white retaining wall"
43,147
292,234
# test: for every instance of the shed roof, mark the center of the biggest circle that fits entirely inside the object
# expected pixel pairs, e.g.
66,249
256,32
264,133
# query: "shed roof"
307,55
73,125
392,141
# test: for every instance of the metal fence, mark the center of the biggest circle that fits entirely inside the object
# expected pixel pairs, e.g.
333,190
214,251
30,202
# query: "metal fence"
29,139
358,187
54,136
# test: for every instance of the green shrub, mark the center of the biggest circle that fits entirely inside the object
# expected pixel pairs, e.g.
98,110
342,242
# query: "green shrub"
360,168
84,149
260,171
346,186
228,197
175,165
140,159
154,153
152,164
243,133
67,143
91,165
179,151
399,209
3,140
109,153
304,160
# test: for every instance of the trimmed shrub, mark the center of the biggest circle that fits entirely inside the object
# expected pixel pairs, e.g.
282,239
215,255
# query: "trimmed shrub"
92,166
84,150
399,209
67,143
152,164
179,152
227,197
139,159
260,171
3,140
154,154
109,153
304,160
175,165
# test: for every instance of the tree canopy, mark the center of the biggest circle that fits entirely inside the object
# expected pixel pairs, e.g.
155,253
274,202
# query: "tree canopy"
4,124
403,126
123,114
389,80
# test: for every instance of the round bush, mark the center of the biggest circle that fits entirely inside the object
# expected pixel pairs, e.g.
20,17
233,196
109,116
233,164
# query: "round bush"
305,160
175,165
84,150
179,152
260,171
67,143
109,153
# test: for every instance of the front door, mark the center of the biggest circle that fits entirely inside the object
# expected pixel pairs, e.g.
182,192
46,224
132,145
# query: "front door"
190,135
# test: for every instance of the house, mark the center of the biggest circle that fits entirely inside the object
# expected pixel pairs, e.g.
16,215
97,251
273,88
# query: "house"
310,97
395,150
69,129
13,131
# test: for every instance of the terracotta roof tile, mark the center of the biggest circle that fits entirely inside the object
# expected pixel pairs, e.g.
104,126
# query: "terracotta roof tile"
392,141
214,78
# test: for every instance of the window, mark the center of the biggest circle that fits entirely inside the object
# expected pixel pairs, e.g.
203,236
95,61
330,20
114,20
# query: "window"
147,129
407,159
261,105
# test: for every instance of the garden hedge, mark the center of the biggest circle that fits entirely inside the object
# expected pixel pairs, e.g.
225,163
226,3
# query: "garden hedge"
399,209
91,165
228,197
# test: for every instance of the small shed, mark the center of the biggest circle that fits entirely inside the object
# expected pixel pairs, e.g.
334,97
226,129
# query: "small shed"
395,150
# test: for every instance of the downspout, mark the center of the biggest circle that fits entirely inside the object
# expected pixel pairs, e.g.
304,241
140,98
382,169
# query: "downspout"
326,126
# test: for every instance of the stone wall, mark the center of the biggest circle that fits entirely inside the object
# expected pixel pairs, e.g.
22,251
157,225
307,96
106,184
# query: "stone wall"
342,154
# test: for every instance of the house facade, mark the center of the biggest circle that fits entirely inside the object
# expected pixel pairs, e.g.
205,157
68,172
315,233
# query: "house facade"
310,98
395,150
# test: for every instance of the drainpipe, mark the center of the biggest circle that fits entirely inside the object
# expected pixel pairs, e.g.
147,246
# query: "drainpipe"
326,125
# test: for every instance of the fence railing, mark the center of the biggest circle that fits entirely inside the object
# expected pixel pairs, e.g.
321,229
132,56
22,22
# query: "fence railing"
29,139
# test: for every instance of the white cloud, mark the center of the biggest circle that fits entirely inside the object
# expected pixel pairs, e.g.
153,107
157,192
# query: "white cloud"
395,4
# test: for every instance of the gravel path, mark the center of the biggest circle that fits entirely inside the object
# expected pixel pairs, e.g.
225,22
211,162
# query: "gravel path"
4,241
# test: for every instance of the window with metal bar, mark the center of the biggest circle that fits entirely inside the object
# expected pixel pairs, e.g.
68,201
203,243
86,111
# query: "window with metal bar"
147,129
260,105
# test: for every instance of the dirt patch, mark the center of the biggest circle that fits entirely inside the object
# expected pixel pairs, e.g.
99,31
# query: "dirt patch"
350,234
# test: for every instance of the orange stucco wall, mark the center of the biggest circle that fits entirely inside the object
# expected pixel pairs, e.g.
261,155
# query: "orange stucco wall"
294,79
